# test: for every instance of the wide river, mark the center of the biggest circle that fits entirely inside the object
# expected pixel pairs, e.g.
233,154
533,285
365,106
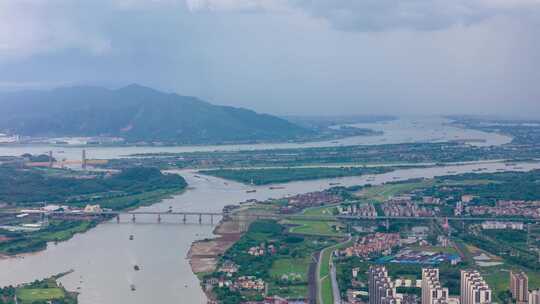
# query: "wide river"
103,258
404,130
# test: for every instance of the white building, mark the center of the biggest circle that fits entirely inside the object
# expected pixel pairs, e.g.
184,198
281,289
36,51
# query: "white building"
474,290
492,225
93,209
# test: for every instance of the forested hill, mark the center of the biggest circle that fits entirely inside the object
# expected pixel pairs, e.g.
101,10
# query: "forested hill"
137,113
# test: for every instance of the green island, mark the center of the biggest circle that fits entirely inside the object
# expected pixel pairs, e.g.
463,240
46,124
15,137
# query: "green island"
35,188
284,175
38,292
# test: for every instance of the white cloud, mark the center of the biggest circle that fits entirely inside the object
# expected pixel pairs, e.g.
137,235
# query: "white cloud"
30,27
383,15
236,5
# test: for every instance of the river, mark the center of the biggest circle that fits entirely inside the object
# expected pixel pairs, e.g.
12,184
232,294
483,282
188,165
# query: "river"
103,258
403,130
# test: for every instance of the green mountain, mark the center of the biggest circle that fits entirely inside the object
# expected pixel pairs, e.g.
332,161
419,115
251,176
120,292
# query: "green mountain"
136,114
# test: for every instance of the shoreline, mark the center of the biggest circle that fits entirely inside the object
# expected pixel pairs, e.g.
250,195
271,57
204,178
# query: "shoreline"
164,196
203,255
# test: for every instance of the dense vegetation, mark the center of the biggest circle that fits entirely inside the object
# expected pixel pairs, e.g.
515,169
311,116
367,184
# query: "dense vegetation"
46,291
137,114
130,188
292,258
410,153
56,231
523,132
284,175
31,186
488,187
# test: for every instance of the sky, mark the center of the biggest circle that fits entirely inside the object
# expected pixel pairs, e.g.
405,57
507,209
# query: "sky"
296,57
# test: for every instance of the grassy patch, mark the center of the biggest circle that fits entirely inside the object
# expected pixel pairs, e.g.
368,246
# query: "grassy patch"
320,211
284,175
384,192
290,292
314,228
29,295
291,266
449,250
326,289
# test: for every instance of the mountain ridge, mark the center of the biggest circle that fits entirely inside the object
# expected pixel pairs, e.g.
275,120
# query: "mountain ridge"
137,113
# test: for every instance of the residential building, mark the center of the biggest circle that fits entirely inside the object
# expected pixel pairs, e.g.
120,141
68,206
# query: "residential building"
474,290
534,296
519,287
493,225
432,291
380,286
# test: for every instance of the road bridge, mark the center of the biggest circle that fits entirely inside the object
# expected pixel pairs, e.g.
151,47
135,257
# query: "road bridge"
248,215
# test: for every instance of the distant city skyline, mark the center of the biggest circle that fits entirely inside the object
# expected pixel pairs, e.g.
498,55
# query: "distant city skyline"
286,57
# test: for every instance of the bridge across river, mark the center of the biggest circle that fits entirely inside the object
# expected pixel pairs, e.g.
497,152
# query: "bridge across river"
248,215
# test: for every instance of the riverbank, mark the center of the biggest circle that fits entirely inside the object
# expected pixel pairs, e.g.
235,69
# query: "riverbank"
204,254
39,291
18,244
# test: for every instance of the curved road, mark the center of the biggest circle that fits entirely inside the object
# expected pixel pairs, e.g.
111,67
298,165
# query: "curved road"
335,287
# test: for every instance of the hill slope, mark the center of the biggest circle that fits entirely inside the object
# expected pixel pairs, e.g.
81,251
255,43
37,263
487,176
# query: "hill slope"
136,113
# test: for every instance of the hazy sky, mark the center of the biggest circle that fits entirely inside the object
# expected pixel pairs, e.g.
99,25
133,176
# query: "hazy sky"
286,56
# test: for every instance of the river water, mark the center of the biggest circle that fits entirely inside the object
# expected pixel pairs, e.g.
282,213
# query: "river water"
404,130
103,258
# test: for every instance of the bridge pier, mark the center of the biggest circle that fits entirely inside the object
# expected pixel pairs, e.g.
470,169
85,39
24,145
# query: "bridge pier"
117,218
200,218
133,219
212,219
185,218
159,218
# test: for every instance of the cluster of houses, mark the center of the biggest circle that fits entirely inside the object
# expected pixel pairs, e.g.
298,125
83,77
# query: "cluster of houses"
240,283
406,207
517,210
313,199
262,250
498,225
358,209
59,208
371,244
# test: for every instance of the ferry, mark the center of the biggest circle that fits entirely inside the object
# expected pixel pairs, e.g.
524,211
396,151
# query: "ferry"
276,188
334,184
251,191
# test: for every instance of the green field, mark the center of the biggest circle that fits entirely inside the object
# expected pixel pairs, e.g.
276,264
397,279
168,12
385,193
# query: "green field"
29,295
314,228
320,211
449,249
292,291
384,192
326,289
283,175
324,272
291,266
